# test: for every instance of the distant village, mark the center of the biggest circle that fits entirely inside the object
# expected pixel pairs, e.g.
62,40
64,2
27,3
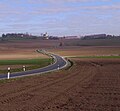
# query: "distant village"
43,36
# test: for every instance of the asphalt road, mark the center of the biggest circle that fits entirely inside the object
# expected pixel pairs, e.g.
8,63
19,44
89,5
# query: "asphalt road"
59,64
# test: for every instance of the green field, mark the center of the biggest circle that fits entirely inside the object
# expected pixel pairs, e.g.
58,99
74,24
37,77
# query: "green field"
19,62
34,64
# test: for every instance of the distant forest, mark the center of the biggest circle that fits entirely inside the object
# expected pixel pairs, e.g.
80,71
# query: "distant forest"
99,36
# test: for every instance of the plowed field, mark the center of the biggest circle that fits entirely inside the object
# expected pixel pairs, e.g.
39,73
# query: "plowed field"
90,85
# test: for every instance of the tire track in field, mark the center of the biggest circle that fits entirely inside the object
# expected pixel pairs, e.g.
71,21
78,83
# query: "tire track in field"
81,82
87,86
64,90
24,96
103,93
34,88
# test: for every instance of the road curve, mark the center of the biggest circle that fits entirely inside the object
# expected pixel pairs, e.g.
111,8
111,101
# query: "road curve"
60,63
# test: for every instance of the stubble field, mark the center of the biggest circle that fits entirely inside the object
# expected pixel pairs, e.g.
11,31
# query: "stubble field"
21,49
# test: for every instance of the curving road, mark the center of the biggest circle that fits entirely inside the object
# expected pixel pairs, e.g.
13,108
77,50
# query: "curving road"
60,63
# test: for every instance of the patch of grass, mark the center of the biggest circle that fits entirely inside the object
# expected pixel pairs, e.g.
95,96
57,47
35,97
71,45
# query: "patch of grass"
19,62
7,80
70,64
35,63
13,79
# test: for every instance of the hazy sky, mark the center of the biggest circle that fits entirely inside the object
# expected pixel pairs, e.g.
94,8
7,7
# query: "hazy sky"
60,17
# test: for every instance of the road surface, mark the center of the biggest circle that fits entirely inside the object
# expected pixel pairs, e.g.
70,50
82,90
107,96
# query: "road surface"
60,63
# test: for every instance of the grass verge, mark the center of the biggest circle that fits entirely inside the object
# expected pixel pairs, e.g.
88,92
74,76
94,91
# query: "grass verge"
34,64
70,64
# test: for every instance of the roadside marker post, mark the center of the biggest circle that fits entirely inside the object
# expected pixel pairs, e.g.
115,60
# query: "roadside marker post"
24,69
8,73
58,67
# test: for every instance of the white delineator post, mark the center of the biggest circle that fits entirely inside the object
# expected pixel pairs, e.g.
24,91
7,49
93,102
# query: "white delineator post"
8,73
24,69
58,67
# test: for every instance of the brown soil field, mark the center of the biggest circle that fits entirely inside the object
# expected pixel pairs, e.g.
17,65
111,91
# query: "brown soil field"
26,49
90,85
14,53
87,51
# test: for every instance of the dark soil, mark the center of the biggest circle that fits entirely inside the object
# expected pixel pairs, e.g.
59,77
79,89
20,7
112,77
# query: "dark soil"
90,85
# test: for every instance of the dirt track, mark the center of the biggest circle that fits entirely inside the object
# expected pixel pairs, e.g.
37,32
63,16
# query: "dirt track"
90,85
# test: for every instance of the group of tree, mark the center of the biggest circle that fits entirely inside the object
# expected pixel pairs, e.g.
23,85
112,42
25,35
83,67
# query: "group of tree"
99,36
17,35
26,36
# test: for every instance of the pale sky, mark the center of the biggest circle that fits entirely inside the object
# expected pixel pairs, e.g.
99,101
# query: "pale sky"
60,17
